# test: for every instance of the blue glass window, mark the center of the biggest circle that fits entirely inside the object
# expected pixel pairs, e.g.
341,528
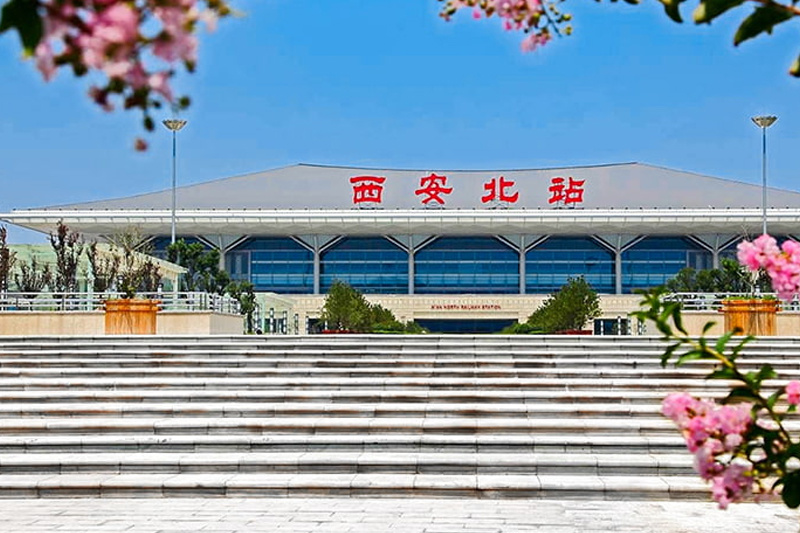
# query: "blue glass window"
465,325
275,264
550,264
466,265
161,242
373,265
654,260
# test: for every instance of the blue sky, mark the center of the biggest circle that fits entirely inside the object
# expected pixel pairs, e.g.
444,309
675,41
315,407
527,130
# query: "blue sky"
387,83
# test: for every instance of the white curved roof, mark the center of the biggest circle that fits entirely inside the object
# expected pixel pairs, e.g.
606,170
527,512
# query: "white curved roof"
628,185
629,198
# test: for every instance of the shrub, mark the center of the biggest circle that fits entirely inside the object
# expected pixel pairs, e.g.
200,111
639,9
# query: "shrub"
568,309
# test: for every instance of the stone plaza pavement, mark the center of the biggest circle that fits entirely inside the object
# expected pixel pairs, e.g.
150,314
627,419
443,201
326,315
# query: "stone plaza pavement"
371,515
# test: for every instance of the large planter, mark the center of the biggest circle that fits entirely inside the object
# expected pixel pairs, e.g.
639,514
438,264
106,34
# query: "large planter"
751,317
131,317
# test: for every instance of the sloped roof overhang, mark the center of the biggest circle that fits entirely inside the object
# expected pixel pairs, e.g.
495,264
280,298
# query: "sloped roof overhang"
430,221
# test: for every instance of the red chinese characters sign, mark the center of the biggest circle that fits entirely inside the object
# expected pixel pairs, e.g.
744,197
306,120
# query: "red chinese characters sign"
567,193
367,189
432,188
497,190
433,191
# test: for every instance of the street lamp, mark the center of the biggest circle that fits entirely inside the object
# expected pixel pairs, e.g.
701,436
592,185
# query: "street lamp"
764,122
174,125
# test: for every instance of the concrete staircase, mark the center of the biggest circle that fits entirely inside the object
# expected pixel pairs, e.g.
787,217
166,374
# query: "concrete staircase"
482,416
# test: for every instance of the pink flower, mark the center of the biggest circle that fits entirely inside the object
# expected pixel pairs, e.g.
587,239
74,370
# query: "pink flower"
734,484
159,82
45,61
781,264
793,393
757,254
715,433
117,24
533,40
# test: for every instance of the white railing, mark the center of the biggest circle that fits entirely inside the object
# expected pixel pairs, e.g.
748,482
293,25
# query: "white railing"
712,301
88,301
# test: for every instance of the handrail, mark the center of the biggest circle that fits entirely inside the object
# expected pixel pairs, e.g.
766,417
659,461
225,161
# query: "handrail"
712,301
89,301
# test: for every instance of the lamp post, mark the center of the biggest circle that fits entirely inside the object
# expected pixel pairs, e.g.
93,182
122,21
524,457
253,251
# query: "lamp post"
174,125
764,122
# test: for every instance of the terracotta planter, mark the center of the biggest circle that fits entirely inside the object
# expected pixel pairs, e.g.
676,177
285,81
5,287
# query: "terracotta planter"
131,317
752,317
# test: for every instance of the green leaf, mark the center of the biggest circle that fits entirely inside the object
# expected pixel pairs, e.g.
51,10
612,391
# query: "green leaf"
722,342
740,394
668,353
707,326
722,373
23,15
690,356
672,7
791,490
708,10
677,319
739,347
773,398
766,372
763,19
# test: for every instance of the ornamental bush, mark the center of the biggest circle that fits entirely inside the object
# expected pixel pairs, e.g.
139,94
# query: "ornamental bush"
730,277
346,309
569,308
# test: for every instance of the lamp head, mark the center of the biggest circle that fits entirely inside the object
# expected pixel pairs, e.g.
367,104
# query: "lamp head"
764,121
174,124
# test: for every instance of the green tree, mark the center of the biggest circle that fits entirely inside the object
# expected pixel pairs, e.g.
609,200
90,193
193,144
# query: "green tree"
104,268
32,278
569,308
244,293
135,271
7,260
68,247
347,309
730,277
202,267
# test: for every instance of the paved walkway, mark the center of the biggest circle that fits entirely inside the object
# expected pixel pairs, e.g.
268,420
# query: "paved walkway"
387,515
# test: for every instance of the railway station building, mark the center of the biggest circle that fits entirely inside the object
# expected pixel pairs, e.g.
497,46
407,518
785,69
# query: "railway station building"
455,250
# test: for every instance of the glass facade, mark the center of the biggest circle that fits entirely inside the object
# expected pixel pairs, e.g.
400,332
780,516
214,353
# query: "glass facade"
160,244
466,265
550,264
654,260
274,264
373,265
457,265
465,325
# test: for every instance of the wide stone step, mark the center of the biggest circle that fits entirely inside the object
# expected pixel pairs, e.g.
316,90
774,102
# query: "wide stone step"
354,485
54,409
351,415
69,360
330,424
333,383
351,372
347,463
366,352
464,395
566,443
589,364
